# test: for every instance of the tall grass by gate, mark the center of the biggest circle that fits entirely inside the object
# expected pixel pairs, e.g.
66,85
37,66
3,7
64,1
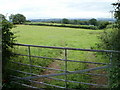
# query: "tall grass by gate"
35,64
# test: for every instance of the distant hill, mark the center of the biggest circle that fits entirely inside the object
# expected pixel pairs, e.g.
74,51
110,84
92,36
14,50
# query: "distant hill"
81,19
44,20
105,19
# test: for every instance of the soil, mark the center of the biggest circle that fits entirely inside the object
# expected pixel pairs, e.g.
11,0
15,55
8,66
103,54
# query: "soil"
55,65
97,79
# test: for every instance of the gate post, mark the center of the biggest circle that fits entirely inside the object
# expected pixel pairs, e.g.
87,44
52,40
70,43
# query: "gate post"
110,58
111,65
65,68
30,59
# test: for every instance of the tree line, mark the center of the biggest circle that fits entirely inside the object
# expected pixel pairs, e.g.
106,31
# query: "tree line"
91,22
17,18
111,40
21,19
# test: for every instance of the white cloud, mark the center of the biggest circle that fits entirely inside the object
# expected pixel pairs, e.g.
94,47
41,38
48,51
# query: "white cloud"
57,8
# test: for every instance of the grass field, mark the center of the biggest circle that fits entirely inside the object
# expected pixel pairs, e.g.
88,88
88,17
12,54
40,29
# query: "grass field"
60,37
56,36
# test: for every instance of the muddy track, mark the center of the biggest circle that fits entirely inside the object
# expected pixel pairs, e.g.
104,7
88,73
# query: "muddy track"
56,65
97,79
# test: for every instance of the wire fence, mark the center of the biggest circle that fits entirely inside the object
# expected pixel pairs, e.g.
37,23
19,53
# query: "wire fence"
65,72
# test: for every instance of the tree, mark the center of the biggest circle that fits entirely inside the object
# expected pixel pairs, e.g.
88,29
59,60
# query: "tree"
7,44
65,21
111,40
93,21
11,17
75,21
83,22
2,17
7,37
115,45
103,24
17,18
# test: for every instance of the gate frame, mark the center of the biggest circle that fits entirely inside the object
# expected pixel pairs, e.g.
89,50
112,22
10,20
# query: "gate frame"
33,76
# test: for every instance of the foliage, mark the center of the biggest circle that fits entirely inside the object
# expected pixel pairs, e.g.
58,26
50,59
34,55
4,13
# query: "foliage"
11,17
93,22
7,40
65,21
88,24
115,45
63,25
17,18
2,17
111,40
83,22
103,24
76,21
28,21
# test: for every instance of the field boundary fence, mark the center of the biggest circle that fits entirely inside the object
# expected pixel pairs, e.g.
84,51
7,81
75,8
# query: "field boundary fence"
65,71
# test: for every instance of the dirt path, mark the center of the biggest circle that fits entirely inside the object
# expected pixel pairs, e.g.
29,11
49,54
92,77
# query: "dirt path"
96,79
56,65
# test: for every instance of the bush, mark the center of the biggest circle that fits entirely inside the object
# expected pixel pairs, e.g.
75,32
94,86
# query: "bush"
7,41
66,25
103,25
111,40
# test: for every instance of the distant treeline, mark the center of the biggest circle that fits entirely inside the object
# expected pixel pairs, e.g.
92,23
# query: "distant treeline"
72,23
65,25
89,24
81,19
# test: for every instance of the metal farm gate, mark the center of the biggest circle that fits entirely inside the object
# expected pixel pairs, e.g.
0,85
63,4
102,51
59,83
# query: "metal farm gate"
65,72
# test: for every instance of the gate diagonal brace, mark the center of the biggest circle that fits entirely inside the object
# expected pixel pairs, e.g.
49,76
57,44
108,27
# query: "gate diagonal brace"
67,73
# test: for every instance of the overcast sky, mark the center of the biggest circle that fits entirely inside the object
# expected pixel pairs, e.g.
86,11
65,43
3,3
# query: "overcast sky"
35,9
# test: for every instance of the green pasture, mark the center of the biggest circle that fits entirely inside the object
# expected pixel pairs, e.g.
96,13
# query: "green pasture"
56,36
60,37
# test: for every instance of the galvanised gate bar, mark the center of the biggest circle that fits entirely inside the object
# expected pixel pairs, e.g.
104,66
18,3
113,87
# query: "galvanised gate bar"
65,71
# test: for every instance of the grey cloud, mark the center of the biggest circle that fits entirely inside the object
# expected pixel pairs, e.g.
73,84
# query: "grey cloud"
90,6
